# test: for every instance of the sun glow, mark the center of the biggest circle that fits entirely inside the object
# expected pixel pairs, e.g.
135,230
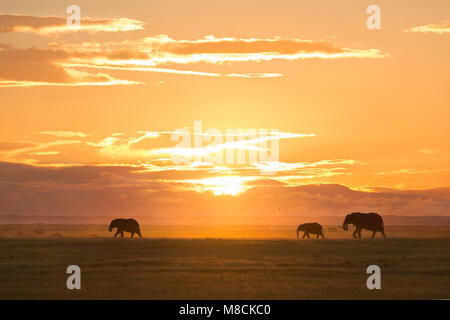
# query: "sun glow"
220,186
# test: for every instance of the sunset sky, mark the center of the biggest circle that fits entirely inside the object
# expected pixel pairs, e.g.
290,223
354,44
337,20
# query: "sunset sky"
88,114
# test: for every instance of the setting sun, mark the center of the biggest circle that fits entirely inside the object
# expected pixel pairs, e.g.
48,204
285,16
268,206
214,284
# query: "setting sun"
232,185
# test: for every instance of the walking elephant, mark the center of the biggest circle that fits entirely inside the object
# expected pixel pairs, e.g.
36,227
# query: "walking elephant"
128,225
313,228
369,221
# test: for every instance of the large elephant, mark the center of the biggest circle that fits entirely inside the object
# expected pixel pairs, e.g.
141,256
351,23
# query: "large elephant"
369,221
128,225
308,228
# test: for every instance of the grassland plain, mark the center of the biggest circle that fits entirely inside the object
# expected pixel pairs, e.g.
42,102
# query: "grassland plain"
414,261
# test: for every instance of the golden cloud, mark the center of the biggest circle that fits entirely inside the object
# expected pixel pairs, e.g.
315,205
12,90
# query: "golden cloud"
50,25
39,67
431,28
161,49
65,134
59,63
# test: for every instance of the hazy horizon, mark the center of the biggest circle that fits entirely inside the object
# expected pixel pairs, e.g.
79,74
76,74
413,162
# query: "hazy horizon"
389,220
140,109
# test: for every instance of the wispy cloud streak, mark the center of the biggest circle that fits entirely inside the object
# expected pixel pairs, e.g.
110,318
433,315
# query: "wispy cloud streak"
442,28
52,25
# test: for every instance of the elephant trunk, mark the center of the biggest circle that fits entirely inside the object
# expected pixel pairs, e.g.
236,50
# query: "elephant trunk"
347,220
298,231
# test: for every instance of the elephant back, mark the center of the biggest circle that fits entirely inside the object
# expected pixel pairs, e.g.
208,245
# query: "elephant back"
370,221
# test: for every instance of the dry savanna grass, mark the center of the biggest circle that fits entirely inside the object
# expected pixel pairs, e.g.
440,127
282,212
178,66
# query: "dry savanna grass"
414,261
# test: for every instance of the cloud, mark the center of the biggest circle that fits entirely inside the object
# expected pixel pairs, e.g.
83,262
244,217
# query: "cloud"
240,153
174,71
161,49
14,145
254,75
59,64
113,190
413,171
38,67
18,149
214,144
404,178
152,54
212,49
51,25
442,28
45,153
65,134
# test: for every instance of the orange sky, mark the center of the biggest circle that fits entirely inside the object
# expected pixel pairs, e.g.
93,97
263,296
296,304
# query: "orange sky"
87,114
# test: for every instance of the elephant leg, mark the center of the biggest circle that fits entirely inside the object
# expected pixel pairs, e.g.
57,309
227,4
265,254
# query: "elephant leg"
359,233
116,234
132,234
354,233
373,234
382,232
121,234
304,235
318,235
308,235
140,235
323,237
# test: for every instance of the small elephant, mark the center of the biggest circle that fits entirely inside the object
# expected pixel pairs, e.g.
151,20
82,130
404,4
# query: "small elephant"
128,225
308,228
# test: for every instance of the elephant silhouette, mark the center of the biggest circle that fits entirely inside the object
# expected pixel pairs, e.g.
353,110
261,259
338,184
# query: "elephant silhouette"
313,228
369,221
128,225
